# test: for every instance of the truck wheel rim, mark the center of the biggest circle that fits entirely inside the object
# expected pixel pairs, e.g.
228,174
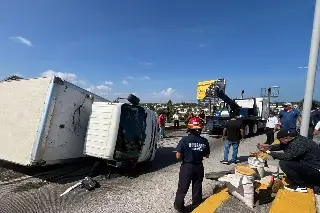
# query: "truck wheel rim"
246,130
255,128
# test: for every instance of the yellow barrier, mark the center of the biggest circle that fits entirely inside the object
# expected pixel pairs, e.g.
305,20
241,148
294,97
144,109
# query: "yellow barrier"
213,202
275,142
294,202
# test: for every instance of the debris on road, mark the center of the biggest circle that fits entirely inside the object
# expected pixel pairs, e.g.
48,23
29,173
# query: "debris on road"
216,175
88,183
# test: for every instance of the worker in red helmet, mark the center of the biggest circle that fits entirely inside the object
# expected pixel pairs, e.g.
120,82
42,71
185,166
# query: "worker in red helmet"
191,150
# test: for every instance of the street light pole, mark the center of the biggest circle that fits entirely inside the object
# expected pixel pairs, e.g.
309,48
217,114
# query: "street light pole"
269,100
312,69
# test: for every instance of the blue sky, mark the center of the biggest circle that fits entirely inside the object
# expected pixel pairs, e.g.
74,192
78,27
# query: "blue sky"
160,49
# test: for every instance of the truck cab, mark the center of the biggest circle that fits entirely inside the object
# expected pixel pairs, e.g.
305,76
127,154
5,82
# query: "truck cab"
121,132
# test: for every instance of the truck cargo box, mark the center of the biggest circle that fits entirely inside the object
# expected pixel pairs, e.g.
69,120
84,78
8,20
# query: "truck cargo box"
43,120
120,132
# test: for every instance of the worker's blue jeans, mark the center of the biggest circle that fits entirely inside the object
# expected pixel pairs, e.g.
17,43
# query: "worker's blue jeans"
235,146
162,131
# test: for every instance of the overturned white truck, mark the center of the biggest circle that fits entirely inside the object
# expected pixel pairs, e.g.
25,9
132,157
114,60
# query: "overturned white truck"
45,121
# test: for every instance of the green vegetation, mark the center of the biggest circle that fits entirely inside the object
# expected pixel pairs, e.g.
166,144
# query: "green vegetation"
315,104
12,78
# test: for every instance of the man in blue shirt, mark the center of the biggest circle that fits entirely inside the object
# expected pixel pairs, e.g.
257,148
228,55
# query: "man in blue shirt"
288,117
191,150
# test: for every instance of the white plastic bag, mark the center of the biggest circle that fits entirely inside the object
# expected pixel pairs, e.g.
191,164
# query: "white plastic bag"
240,186
258,165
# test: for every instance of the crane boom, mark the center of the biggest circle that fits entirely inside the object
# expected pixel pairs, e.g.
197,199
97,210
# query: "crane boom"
234,107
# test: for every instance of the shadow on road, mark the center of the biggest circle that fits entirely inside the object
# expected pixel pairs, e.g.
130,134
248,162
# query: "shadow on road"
63,173
165,157
215,136
35,177
77,170
174,136
243,159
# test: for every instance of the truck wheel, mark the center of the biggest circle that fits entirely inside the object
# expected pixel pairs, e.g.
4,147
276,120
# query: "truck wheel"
246,130
153,154
254,129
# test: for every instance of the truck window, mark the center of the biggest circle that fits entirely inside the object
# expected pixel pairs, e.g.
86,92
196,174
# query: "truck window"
244,112
131,134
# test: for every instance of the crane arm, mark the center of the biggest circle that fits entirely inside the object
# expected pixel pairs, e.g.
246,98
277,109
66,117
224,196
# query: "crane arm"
232,104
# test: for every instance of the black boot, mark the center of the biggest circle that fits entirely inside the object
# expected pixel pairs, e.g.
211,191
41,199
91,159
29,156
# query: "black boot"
178,208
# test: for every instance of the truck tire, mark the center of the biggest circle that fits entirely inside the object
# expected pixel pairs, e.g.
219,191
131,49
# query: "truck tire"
254,129
247,130
153,154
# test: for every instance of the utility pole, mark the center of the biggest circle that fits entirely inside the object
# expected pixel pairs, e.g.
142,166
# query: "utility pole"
312,69
269,100
242,92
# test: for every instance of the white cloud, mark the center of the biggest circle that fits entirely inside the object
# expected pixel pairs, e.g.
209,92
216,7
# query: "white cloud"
71,77
124,94
108,82
145,63
143,78
82,83
22,40
101,90
125,82
166,93
103,87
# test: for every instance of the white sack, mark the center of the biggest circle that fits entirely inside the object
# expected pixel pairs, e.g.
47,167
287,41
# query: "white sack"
240,186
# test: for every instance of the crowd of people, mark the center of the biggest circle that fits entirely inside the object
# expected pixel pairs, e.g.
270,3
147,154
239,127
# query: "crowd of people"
299,159
176,121
300,156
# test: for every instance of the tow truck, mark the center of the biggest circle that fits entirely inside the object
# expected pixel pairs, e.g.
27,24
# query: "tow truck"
253,112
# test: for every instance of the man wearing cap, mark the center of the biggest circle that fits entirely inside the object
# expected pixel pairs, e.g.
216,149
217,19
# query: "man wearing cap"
288,117
300,160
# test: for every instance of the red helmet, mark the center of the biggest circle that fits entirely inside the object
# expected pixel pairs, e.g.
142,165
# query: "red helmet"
195,123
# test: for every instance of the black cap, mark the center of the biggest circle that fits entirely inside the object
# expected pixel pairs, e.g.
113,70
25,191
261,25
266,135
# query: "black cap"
283,133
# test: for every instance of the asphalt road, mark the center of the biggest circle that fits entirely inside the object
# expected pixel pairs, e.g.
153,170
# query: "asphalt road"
172,124
150,189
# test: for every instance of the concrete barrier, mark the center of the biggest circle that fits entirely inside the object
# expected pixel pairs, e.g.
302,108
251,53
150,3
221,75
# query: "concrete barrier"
294,202
213,202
